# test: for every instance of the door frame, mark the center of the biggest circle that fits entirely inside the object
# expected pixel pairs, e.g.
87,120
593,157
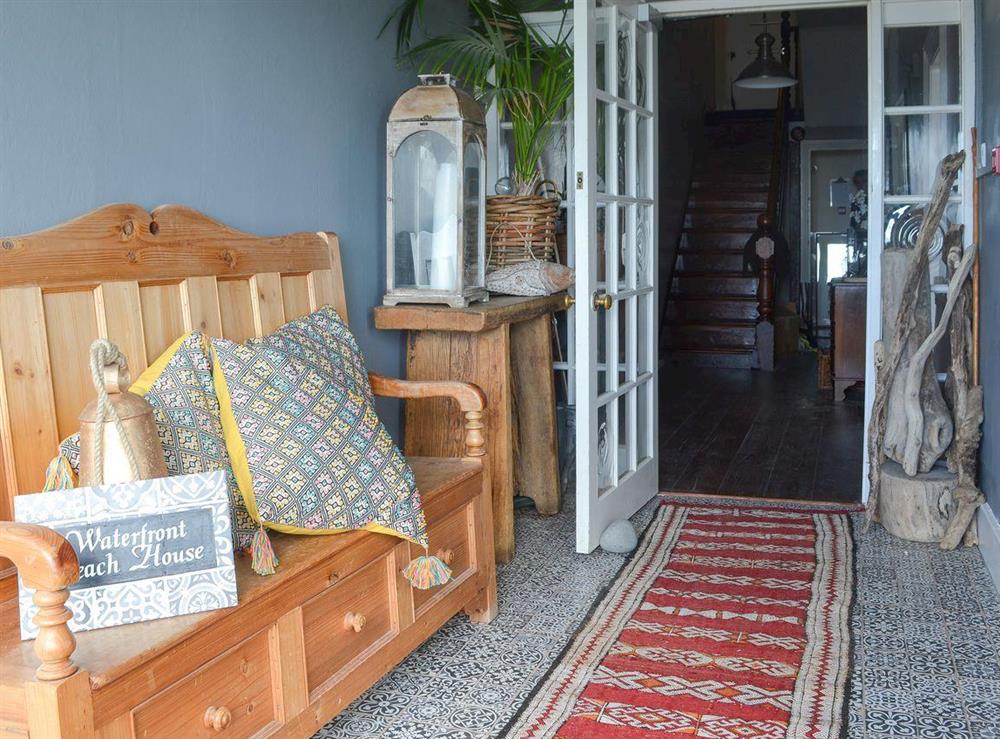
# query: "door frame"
807,148
898,13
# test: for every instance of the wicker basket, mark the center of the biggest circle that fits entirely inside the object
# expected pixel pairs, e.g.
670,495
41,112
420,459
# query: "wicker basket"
520,228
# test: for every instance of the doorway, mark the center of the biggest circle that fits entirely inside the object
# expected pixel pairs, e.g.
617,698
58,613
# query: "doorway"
906,126
828,171
726,425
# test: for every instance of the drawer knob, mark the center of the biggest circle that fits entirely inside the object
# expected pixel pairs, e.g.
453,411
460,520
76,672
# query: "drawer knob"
446,555
355,621
218,718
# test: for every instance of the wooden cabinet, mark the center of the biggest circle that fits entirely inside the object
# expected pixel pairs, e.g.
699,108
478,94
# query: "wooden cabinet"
848,314
504,346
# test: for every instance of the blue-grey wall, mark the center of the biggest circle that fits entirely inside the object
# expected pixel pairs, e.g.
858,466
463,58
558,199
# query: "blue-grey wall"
988,68
267,115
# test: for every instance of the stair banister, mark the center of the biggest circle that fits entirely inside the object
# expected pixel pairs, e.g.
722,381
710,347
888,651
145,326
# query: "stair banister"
769,222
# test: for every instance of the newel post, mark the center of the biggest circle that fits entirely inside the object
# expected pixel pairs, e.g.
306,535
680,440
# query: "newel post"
764,251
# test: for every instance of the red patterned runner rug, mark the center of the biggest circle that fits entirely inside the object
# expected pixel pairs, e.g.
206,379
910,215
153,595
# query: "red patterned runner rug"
729,621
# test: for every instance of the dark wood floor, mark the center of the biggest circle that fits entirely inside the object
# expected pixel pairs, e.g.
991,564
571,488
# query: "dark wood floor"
760,434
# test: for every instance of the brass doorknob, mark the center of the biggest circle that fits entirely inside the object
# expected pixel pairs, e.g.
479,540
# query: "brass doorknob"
217,718
603,300
355,621
568,301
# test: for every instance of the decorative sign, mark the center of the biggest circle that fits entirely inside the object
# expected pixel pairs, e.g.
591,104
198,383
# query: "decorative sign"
148,549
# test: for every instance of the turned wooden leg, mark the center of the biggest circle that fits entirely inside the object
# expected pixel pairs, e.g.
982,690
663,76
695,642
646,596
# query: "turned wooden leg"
55,642
47,564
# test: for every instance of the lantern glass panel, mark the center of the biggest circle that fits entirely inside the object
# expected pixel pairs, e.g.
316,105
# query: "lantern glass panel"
474,206
425,212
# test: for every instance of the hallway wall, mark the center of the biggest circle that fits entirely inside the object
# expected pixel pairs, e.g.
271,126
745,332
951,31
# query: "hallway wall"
686,91
835,72
989,239
268,115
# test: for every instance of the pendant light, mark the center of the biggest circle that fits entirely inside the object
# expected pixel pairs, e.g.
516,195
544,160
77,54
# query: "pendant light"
765,72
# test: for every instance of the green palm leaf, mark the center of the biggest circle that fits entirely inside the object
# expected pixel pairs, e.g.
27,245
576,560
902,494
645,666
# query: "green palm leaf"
504,60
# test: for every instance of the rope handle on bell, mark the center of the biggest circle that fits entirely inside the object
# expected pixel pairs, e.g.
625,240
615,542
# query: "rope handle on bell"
109,370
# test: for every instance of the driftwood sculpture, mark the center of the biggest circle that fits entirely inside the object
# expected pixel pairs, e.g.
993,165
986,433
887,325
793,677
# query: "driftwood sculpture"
911,425
905,335
918,424
929,429
966,402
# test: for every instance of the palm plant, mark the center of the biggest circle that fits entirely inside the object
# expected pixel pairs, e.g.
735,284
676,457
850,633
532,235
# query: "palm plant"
528,74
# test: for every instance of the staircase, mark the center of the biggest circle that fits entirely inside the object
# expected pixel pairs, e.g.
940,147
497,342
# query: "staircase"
711,311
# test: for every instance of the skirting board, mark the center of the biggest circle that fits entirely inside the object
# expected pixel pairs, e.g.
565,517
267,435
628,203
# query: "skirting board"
989,541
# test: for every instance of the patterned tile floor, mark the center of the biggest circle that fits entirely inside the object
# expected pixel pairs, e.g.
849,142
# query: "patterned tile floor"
926,659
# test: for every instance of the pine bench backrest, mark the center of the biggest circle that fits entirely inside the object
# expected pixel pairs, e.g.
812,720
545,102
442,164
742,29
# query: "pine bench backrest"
141,280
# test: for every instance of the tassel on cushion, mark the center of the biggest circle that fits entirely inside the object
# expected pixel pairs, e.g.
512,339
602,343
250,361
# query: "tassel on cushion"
426,572
59,475
264,561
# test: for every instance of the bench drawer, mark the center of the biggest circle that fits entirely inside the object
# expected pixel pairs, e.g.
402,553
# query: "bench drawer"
345,620
451,540
232,696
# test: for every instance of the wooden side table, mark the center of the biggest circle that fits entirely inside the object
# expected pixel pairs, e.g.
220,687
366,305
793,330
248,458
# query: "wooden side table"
505,347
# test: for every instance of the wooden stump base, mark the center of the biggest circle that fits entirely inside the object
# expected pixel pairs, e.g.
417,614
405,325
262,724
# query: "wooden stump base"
916,508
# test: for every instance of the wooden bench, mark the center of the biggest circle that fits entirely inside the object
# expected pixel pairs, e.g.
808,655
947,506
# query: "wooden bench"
301,644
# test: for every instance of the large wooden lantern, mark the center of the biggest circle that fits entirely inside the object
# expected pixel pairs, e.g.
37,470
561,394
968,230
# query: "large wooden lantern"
436,202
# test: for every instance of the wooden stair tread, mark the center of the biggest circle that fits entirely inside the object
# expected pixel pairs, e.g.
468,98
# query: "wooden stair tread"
723,209
718,230
726,185
718,349
710,323
720,274
710,250
715,297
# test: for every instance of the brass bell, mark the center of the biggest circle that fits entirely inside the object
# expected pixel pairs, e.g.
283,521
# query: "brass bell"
129,446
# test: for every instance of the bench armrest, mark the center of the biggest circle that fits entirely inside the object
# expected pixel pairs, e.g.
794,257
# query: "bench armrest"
471,400
47,563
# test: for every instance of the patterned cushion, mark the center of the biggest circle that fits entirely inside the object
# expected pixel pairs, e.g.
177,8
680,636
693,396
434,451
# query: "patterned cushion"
179,387
308,450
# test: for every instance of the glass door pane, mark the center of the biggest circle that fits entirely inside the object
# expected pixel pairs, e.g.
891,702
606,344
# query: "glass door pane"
922,66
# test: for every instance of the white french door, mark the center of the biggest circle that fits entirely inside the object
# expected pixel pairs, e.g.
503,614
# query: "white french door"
921,94
615,218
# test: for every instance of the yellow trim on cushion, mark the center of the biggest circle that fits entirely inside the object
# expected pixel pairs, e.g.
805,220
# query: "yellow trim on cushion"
234,442
146,380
